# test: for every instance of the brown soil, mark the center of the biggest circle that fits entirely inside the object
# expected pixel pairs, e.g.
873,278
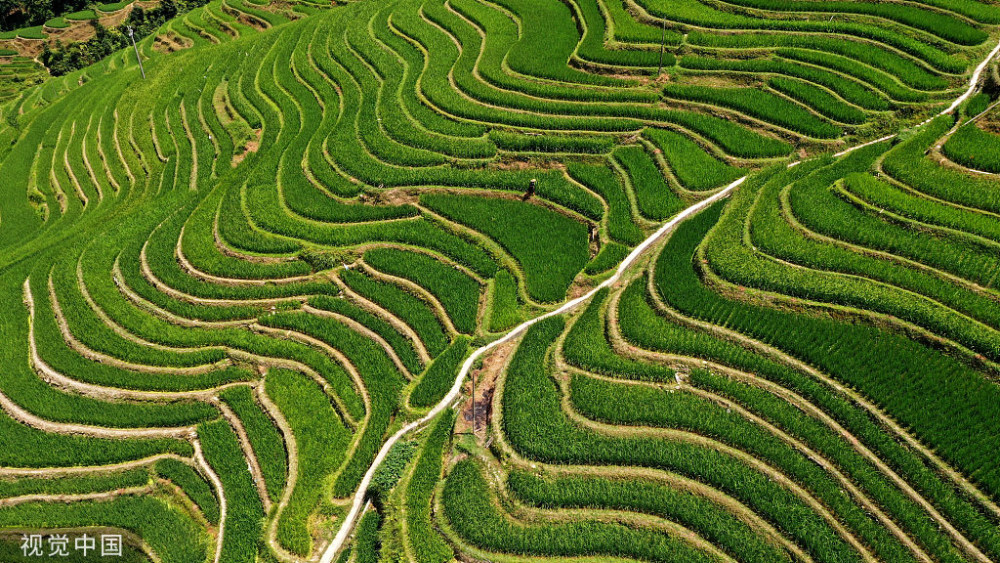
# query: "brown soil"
486,382
170,42
208,36
990,122
226,28
365,331
8,44
30,48
282,7
114,19
397,196
245,19
581,285
715,81
375,309
252,21
253,145
248,453
77,31
521,164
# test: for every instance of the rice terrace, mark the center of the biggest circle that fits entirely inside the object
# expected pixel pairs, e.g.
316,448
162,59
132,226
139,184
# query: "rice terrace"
511,281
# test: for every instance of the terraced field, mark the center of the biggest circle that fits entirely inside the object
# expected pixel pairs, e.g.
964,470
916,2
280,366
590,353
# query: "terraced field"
19,74
424,280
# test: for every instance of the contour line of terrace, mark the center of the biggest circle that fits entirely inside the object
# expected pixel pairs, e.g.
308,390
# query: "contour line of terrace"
358,502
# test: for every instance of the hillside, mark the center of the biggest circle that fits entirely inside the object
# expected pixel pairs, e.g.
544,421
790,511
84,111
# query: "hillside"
277,300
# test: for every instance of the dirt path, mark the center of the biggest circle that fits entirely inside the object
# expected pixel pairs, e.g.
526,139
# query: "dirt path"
117,328
225,249
23,416
101,495
49,472
100,357
56,379
162,287
830,468
335,355
359,497
149,307
810,409
424,295
773,473
194,272
347,525
860,497
206,469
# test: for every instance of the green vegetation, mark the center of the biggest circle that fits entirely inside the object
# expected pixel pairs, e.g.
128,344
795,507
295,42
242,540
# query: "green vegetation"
265,440
320,441
391,470
759,104
653,195
440,375
427,544
245,515
505,305
518,226
249,265
972,147
415,312
193,485
366,543
457,292
467,501
694,168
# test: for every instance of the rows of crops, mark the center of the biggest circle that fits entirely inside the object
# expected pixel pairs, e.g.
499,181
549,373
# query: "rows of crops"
226,284
672,420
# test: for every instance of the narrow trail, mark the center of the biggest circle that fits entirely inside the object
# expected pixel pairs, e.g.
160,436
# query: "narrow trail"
199,458
359,497
357,504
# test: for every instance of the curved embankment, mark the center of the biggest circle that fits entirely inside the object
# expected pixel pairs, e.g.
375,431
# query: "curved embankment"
358,499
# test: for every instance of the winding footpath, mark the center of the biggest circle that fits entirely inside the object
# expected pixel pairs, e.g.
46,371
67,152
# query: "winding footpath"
358,502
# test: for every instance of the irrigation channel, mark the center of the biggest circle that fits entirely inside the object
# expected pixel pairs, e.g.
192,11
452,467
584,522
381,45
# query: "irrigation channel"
358,502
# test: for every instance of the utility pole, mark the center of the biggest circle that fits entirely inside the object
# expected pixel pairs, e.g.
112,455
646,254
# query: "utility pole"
663,40
137,57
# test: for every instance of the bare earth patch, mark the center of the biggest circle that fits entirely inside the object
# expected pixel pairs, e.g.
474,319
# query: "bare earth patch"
397,196
253,145
486,378
170,42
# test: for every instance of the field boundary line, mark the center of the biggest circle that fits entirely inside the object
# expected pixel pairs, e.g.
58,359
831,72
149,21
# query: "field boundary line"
359,497
347,524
